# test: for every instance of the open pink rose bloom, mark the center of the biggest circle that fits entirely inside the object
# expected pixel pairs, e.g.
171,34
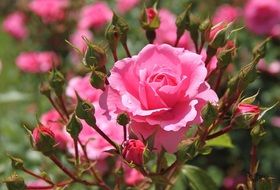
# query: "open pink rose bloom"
163,89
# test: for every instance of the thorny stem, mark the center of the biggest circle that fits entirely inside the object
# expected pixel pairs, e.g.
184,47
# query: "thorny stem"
253,164
76,152
37,176
69,173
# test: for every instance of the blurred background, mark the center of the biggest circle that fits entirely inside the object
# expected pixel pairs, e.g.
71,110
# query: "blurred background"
21,102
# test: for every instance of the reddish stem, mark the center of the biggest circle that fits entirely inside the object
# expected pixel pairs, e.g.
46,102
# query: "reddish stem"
37,176
114,52
76,152
126,49
57,109
60,98
219,133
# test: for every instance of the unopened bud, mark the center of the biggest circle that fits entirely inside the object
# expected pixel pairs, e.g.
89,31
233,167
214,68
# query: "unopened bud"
225,58
183,22
43,139
205,28
122,26
45,89
123,119
95,56
85,110
17,163
56,80
112,35
97,80
74,127
260,49
248,111
149,19
257,134
218,35
133,151
209,114
15,182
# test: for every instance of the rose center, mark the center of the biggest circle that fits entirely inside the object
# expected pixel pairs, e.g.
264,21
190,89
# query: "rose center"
163,78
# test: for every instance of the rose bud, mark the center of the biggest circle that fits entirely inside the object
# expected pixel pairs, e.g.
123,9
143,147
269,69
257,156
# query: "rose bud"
43,139
133,151
248,109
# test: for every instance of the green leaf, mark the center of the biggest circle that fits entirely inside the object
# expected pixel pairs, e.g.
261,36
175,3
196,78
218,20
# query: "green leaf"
198,178
221,141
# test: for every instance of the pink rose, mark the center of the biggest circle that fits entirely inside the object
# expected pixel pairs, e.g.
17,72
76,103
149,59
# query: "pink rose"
161,86
41,130
53,121
272,69
225,13
124,6
15,25
37,62
84,89
95,15
133,151
261,16
49,10
132,176
166,33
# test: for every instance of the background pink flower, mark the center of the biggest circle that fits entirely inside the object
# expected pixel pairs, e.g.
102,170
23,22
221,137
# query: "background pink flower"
15,25
261,16
95,15
49,10
225,13
83,88
96,144
37,62
124,6
132,176
161,86
272,68
166,33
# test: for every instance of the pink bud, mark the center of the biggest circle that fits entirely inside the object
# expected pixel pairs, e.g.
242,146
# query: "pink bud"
247,109
41,130
151,14
133,151
216,29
